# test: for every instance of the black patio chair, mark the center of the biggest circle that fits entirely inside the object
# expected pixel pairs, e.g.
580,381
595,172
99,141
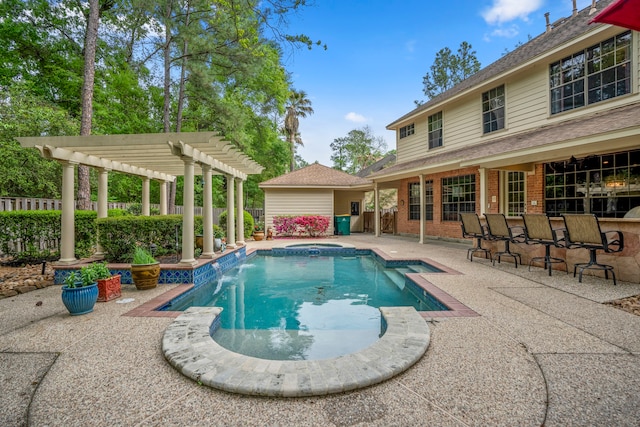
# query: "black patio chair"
471,227
538,230
500,230
583,231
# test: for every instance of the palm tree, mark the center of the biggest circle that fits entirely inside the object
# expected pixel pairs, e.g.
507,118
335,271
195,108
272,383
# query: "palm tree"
298,106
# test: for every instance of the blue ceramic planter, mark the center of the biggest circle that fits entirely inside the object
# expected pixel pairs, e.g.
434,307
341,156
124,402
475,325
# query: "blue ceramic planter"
80,300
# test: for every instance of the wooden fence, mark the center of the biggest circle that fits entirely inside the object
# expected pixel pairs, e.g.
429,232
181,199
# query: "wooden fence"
35,204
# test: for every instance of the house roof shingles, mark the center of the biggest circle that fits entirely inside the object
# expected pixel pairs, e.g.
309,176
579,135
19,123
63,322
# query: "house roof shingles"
316,175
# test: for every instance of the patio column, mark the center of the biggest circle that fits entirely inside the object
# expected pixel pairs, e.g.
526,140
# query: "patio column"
207,215
231,229
422,210
376,209
68,238
240,207
145,196
484,203
103,195
163,197
187,216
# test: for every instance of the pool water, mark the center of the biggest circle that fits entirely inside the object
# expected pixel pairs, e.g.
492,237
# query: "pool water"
305,308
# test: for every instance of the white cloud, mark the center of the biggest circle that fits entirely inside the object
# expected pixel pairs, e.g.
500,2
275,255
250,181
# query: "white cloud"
508,10
355,117
509,33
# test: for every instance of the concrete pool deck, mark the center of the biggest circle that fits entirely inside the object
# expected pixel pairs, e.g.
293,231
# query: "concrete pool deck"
543,350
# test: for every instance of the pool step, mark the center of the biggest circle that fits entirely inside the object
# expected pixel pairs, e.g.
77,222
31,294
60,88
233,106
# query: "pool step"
397,276
419,268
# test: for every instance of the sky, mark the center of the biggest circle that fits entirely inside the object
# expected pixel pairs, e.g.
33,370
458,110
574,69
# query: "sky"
378,51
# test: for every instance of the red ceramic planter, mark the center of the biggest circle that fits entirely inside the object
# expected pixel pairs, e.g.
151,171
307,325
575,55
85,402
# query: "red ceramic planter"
109,289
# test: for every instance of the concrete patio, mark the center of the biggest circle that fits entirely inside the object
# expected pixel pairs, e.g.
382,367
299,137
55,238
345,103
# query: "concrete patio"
543,350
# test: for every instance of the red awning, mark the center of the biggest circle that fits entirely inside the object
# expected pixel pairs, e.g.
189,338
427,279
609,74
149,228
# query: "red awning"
623,13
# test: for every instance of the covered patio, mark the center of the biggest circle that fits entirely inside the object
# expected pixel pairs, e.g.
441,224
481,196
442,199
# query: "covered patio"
161,157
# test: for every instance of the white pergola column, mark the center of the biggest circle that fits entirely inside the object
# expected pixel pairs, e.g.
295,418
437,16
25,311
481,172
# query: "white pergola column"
422,210
483,191
145,196
376,209
103,195
207,215
231,229
68,238
188,245
240,209
163,198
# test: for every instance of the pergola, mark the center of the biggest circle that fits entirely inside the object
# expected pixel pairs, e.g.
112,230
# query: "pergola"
160,157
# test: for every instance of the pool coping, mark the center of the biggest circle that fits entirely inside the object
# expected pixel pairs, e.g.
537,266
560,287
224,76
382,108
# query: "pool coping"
187,345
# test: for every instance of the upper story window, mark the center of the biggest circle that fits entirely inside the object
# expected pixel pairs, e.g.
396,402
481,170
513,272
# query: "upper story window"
598,73
493,110
435,130
407,130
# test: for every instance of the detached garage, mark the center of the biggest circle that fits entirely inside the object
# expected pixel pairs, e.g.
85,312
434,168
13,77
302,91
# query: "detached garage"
316,190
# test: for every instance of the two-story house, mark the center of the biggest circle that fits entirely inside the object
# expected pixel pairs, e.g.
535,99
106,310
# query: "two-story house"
552,127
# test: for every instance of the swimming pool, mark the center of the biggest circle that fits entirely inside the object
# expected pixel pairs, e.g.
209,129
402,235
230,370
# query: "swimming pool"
307,307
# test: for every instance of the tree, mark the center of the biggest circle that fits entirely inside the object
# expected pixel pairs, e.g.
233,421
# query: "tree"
90,41
24,171
225,74
298,106
359,149
449,69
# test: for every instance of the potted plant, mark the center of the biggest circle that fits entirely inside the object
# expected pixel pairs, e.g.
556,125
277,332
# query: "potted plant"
145,270
80,291
258,231
108,285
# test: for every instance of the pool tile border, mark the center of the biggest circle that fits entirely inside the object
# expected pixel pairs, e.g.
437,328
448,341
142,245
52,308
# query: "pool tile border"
188,346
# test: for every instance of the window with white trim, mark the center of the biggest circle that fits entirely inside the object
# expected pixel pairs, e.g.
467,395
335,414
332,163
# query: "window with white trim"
598,73
407,130
516,195
414,200
435,130
493,110
458,195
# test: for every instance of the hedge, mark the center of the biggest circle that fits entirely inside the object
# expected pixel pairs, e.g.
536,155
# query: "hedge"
248,223
119,236
32,236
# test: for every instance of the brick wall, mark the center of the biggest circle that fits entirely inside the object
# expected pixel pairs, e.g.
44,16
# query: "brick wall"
437,227
451,229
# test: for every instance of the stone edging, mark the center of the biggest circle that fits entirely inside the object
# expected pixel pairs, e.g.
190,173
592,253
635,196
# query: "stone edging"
188,346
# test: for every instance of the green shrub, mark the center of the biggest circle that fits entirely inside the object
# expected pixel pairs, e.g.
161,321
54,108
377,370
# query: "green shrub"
135,209
141,256
248,223
31,236
119,236
117,212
